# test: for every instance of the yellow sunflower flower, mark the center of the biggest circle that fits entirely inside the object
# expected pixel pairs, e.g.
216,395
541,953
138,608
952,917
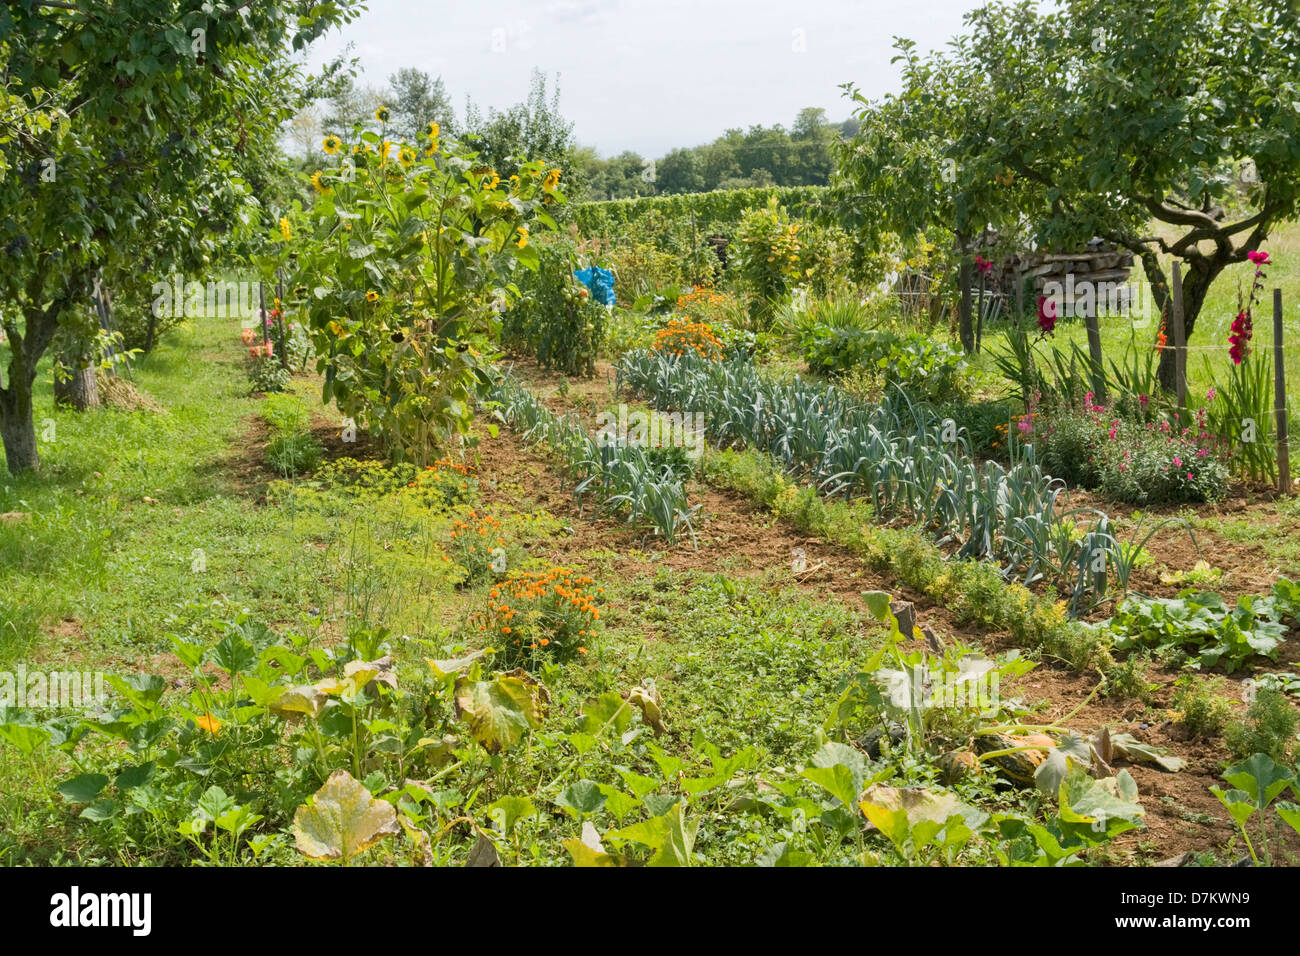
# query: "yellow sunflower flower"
372,296
318,183
284,229
382,114
523,237
332,144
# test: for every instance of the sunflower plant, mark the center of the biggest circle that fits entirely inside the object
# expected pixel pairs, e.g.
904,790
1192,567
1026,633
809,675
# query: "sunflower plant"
400,267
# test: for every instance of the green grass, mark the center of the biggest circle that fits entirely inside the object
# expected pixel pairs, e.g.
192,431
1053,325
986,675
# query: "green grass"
93,549
1207,361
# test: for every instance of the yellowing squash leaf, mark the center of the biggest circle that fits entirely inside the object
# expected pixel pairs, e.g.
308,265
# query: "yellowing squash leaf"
500,711
341,820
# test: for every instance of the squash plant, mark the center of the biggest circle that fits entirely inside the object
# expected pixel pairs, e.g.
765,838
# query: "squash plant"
398,269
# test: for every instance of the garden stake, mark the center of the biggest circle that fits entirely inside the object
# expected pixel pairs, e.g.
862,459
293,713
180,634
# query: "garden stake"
1180,343
1279,391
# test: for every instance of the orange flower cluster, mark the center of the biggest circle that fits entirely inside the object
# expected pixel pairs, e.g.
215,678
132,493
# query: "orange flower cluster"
485,529
1024,424
451,466
552,613
443,483
680,336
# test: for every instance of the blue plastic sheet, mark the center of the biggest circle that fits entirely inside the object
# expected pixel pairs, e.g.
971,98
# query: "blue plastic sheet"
599,281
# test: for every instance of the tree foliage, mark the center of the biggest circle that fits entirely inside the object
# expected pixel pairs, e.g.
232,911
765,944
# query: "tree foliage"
1093,119
158,112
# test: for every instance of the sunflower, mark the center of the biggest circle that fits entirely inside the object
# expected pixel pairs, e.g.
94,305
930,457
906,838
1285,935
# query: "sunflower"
382,114
406,156
372,296
523,237
552,180
285,230
332,144
318,183
384,149
434,130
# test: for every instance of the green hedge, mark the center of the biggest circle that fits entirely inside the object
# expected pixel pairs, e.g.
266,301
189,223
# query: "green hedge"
715,212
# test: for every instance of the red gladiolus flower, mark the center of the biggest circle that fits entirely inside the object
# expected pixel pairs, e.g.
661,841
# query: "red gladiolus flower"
1259,258
983,265
1046,315
1239,340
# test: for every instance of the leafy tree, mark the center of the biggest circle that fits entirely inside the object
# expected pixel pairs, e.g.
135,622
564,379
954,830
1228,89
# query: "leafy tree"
150,103
532,130
350,105
416,99
1096,118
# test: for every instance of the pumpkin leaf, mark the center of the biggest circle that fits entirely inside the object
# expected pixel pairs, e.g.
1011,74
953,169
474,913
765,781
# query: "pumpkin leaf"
500,711
341,820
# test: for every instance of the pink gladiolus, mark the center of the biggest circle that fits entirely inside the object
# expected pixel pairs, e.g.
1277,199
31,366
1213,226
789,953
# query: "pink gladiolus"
1259,258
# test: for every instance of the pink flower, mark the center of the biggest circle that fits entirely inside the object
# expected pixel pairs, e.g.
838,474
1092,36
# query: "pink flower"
1189,476
1145,400
1178,462
1209,395
983,265
1259,258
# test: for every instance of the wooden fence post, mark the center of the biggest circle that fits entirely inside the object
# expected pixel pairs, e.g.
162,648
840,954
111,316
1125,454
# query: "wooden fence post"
1279,391
1090,322
1180,345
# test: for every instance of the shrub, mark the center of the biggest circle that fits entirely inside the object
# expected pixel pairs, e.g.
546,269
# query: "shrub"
1205,712
985,424
540,616
293,454
395,270
1127,679
1138,463
556,318
1269,728
916,363
292,449
266,374
680,336
768,264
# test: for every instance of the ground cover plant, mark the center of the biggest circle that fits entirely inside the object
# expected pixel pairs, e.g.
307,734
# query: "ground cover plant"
812,541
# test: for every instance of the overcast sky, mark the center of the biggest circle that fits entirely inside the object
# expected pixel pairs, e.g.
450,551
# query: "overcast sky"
649,75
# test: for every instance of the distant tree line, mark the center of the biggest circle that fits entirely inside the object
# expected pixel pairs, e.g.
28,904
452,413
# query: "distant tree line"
759,157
